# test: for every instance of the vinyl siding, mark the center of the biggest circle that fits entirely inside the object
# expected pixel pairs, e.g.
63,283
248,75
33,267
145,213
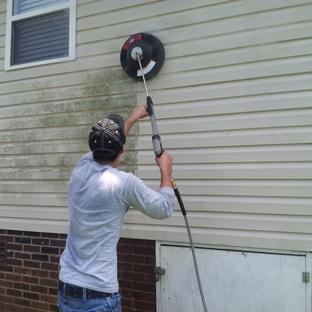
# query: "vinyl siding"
236,115
233,107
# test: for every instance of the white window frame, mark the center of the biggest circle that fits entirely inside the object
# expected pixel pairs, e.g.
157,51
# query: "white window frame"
10,19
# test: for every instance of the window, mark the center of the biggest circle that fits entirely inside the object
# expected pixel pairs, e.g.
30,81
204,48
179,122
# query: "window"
39,32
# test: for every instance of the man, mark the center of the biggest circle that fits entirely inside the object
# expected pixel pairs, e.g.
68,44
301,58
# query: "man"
99,195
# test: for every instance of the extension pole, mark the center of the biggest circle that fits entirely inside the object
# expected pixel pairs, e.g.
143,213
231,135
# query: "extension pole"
158,150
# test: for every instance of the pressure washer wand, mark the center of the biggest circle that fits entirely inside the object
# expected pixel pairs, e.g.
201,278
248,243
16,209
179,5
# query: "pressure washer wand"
158,150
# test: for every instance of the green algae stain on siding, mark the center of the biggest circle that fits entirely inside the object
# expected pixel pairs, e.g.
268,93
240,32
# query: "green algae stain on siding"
52,116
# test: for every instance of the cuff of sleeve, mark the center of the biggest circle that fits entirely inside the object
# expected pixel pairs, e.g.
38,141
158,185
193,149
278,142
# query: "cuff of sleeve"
166,189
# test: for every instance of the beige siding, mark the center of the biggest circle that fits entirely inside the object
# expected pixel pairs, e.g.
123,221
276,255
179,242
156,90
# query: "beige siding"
233,106
235,111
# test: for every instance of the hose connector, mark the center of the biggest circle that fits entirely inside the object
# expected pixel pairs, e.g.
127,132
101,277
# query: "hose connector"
174,186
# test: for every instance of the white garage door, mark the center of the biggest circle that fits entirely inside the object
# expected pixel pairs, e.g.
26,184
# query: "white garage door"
232,281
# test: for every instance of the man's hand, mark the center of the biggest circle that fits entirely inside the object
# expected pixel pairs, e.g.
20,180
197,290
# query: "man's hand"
165,163
138,113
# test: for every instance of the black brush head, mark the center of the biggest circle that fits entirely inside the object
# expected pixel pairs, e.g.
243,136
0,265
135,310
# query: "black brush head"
151,53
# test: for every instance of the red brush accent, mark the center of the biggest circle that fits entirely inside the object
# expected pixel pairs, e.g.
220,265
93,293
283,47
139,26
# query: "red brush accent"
134,38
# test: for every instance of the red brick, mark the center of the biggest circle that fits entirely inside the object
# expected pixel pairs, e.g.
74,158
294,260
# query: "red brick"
39,273
7,238
54,275
14,262
144,250
150,278
48,282
22,271
32,248
12,308
50,250
7,284
39,289
22,255
133,295
126,303
58,243
15,247
48,298
40,305
40,241
125,266
150,297
150,260
143,268
14,293
22,302
124,249
21,286
22,240
125,284
7,299
31,295
30,280
55,259
32,264
144,287
53,291
8,268
50,266
133,276
133,258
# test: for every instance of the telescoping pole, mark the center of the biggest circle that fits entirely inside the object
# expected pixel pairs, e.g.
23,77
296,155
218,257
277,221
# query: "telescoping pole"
158,150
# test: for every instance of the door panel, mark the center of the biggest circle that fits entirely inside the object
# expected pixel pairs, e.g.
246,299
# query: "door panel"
232,281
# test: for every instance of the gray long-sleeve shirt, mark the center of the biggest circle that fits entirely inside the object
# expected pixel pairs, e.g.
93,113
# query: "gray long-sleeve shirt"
98,198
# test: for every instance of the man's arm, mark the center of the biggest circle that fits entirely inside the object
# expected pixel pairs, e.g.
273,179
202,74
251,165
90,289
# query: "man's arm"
157,205
165,161
138,113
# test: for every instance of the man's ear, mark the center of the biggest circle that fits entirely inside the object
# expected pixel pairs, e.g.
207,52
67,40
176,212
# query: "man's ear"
122,150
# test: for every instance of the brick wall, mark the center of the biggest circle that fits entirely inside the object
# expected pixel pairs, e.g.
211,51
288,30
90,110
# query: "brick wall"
136,262
28,283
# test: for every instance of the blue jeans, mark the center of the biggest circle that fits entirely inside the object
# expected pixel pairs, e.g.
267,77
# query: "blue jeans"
106,304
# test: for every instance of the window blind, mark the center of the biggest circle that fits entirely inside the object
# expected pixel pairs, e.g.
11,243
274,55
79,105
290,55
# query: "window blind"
41,38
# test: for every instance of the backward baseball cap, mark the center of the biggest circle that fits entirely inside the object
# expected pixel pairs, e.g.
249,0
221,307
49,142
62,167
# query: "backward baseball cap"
108,135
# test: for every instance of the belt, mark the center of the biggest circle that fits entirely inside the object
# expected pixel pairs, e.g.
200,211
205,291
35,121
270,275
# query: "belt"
77,292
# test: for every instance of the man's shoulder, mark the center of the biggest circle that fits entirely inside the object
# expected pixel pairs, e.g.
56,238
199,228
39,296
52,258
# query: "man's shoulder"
85,159
123,174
